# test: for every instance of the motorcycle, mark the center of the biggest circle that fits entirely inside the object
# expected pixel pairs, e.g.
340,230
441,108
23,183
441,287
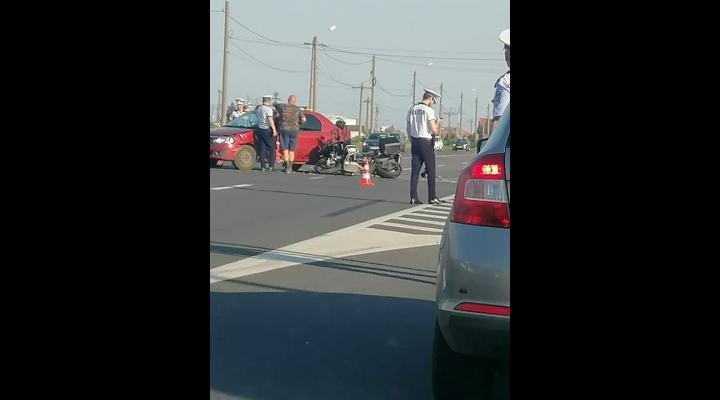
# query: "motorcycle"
338,156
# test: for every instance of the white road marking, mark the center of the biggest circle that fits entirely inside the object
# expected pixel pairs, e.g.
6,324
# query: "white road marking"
317,177
345,242
408,226
416,220
431,213
231,187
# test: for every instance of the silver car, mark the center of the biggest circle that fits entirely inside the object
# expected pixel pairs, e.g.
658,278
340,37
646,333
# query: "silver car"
473,288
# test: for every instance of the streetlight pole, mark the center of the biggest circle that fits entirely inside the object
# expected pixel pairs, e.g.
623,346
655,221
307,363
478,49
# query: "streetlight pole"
223,114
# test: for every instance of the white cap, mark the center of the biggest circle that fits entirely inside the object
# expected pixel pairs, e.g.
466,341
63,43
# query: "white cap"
505,37
266,97
436,96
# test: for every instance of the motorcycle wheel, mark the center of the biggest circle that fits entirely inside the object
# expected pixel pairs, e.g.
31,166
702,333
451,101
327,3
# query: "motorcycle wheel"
389,169
322,168
373,168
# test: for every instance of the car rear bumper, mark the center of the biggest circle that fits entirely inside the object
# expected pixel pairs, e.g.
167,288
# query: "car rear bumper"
480,335
474,267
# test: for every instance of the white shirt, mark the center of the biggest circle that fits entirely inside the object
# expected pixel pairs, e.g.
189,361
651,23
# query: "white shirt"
263,112
502,95
235,114
418,120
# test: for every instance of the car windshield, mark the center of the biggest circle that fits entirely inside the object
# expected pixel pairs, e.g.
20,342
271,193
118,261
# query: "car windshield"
245,120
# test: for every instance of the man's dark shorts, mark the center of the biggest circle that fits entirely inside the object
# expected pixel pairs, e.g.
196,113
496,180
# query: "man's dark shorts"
288,139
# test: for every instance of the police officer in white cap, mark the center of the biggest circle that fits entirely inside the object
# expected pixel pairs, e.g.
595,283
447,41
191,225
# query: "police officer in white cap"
266,133
422,126
502,85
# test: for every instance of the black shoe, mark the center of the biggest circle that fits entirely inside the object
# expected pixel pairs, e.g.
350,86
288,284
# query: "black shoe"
415,201
434,201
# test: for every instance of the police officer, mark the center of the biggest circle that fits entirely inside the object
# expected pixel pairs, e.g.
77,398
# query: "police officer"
422,126
502,86
266,133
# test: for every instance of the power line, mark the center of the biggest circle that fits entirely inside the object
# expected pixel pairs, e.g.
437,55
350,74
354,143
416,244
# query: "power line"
329,65
331,68
331,78
427,86
442,67
344,62
386,57
423,51
329,48
339,49
332,86
252,31
392,94
266,64
282,44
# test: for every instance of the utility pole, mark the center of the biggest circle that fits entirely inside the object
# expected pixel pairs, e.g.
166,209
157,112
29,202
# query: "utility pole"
367,115
461,101
219,111
372,94
313,73
487,122
359,120
413,99
223,114
450,114
475,124
377,116
275,97
440,108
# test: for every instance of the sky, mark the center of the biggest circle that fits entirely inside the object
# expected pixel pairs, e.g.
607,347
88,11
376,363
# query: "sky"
450,41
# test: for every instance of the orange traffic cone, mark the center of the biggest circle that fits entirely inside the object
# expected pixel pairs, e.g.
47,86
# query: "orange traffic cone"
365,177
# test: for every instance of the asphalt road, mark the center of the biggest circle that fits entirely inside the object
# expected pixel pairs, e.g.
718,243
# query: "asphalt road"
321,288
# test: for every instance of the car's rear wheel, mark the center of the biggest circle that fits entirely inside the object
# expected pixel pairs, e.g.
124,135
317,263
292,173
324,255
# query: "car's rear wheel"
296,167
245,158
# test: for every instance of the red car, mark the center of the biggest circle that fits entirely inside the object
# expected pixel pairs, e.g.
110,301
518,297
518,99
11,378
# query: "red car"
236,141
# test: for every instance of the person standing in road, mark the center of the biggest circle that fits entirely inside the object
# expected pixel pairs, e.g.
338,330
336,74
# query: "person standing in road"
502,85
422,126
290,117
502,88
266,134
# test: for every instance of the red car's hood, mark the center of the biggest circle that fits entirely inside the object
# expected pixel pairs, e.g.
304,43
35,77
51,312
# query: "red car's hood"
228,131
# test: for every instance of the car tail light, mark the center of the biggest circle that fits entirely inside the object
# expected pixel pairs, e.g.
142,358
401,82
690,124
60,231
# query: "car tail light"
483,309
481,195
